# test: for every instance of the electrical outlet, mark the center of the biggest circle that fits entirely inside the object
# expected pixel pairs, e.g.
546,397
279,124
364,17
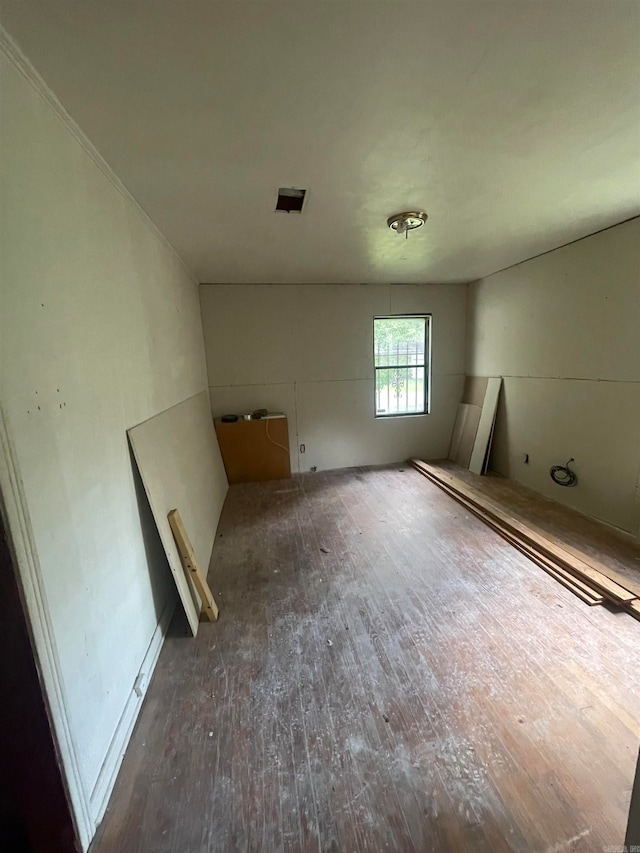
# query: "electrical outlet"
302,448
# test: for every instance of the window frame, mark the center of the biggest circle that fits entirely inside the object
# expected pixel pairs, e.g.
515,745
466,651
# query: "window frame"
426,366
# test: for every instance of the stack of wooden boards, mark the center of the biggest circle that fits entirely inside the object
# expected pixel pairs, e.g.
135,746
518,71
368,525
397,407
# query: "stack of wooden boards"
475,420
585,576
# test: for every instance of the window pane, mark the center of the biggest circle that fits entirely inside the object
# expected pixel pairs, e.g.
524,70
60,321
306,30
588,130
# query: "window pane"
399,341
400,391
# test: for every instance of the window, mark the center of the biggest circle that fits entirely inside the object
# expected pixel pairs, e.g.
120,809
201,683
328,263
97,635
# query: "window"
401,353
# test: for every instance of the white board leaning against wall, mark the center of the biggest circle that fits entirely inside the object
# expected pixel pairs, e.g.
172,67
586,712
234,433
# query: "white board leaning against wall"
482,446
179,461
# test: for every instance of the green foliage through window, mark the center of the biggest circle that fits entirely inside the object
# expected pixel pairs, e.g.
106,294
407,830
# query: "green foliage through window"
401,354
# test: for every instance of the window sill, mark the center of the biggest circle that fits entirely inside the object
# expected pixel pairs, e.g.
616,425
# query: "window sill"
401,415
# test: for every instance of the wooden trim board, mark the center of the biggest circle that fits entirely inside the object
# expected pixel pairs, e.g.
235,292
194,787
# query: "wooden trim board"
628,583
535,540
582,590
191,565
549,545
634,609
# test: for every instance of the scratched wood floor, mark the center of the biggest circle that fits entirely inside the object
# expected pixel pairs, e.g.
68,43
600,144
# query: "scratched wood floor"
386,674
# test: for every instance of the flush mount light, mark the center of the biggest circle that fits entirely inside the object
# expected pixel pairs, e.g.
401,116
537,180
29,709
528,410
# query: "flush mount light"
402,223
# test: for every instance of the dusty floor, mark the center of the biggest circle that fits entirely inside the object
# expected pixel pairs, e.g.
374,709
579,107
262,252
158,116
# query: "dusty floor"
386,674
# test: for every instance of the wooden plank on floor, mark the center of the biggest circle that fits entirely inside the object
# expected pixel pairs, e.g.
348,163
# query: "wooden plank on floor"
586,538
611,573
634,608
584,592
575,585
533,537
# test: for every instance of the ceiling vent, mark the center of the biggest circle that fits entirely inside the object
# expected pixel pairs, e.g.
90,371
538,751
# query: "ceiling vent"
290,200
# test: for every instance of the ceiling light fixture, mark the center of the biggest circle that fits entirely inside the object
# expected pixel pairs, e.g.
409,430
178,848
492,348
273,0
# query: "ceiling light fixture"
402,223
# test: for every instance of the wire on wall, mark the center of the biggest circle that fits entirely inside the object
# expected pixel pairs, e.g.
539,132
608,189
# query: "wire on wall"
563,475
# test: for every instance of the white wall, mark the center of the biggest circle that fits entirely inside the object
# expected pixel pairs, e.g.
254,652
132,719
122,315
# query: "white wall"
100,330
564,331
307,350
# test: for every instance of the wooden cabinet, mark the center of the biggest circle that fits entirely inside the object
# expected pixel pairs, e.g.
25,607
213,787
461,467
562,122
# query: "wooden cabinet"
255,450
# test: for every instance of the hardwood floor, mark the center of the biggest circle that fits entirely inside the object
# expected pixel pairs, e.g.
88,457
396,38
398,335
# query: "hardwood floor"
386,674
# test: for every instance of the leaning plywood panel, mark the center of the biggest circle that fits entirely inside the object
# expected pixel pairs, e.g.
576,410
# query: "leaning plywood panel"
180,464
485,426
475,388
456,436
464,433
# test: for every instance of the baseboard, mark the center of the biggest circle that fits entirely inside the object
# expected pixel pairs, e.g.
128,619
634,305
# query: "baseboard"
111,765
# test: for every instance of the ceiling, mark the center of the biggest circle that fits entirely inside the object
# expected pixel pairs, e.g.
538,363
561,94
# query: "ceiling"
515,125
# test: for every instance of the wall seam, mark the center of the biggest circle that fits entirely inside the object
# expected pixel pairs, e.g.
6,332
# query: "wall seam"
570,378
316,381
